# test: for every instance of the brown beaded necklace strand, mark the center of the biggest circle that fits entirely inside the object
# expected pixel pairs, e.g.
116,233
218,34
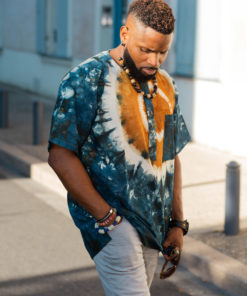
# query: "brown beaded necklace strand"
134,83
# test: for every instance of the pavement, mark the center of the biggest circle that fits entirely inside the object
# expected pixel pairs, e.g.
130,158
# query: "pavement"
208,253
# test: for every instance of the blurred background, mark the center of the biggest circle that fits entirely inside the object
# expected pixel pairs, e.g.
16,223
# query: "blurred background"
40,41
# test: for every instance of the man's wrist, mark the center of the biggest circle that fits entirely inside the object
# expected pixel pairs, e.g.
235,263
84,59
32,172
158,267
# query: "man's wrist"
100,214
182,224
178,229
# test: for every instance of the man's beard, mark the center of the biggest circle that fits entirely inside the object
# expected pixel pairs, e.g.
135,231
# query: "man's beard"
136,73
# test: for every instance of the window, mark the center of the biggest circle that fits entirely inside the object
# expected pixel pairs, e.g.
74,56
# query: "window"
52,28
186,37
196,49
120,13
103,31
181,57
109,16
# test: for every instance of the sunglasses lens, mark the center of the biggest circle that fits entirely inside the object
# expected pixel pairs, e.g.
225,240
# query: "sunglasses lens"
175,260
165,274
175,257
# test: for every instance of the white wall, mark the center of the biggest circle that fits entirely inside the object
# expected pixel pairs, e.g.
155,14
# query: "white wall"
209,39
215,102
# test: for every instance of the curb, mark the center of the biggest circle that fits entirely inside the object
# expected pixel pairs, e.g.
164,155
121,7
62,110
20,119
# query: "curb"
12,156
213,266
31,167
200,259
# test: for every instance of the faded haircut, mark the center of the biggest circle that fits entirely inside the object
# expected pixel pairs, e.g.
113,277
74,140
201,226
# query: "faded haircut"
156,14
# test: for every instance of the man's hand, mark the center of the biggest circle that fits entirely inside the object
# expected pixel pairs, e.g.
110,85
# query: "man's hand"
174,239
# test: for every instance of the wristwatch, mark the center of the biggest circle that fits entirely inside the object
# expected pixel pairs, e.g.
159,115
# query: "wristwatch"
184,225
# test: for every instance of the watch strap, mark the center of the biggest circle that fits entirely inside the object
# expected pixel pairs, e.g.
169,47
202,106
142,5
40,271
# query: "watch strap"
184,225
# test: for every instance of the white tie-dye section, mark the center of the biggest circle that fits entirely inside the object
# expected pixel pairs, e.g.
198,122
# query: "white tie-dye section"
132,193
160,172
160,135
150,86
167,193
61,116
167,167
67,93
170,166
66,76
110,106
133,157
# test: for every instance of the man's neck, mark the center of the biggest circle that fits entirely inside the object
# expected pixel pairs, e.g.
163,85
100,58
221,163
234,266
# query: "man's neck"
116,53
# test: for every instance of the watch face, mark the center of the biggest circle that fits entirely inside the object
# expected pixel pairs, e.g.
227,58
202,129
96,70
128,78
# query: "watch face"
186,227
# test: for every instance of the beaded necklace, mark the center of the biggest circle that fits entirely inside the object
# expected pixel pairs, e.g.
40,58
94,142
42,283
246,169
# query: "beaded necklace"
134,82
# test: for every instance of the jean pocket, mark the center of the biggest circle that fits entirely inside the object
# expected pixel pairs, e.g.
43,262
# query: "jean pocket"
169,137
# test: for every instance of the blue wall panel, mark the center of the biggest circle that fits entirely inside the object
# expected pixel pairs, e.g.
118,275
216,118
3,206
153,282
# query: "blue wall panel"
117,21
40,25
186,37
62,28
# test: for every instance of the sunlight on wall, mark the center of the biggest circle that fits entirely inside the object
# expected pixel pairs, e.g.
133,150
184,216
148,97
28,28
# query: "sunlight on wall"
220,107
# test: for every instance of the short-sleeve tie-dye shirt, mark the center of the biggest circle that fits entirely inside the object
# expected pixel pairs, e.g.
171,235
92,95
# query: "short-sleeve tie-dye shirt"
126,143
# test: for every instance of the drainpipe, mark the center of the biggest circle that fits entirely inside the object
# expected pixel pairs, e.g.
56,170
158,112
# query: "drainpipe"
117,21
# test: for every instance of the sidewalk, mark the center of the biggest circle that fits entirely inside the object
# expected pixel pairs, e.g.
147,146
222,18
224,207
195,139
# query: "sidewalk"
208,252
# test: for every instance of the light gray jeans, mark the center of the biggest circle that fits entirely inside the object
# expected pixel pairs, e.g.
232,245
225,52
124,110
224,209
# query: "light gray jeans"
124,265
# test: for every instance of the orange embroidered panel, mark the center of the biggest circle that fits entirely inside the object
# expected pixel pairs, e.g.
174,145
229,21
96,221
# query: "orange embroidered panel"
133,114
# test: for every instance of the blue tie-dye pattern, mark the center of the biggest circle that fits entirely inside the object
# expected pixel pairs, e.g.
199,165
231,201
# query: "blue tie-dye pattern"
176,132
151,124
151,129
79,123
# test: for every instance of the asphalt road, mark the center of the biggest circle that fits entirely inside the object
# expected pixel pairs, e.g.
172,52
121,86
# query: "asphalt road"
42,253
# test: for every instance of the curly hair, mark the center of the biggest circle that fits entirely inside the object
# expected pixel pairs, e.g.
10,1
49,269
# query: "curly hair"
153,13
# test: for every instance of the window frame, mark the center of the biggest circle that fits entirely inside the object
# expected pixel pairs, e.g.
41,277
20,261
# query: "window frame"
63,41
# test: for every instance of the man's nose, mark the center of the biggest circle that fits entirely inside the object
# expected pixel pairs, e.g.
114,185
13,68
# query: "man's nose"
153,59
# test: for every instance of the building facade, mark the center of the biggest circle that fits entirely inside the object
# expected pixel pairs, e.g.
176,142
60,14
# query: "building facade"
40,40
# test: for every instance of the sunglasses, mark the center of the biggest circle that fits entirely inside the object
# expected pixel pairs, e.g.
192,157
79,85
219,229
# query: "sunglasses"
174,257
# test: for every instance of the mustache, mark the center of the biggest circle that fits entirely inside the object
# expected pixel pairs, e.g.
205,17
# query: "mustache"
149,68
137,73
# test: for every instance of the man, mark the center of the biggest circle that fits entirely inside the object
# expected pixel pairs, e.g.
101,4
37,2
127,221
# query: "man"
114,142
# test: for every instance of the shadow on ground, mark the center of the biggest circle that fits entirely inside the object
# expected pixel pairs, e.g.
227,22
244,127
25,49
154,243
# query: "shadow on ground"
82,281
76,282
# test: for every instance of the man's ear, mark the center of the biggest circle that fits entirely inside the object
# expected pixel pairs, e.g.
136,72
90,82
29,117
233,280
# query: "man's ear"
124,34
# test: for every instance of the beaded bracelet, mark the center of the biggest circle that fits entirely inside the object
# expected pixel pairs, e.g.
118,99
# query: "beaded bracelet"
105,229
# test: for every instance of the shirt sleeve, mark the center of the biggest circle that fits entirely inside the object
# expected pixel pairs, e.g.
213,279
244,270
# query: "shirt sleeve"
181,134
74,110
